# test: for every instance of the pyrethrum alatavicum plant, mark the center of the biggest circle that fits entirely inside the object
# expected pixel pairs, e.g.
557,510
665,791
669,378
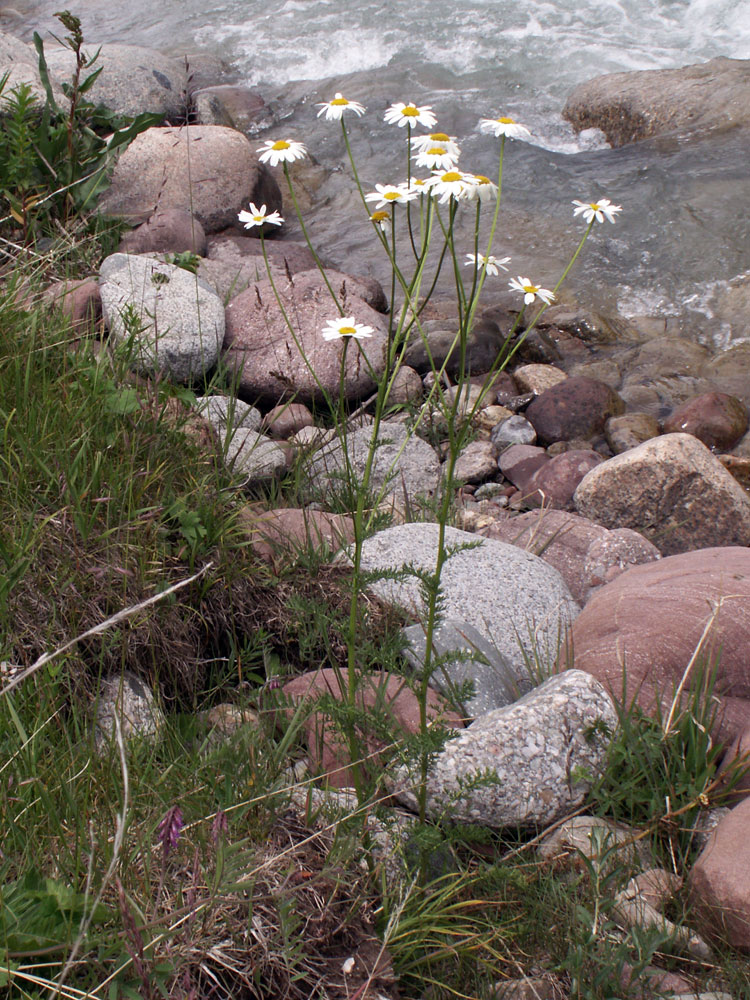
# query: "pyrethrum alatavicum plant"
415,221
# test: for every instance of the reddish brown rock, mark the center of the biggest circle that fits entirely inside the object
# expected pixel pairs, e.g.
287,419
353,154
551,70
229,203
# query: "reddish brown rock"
235,106
387,694
555,482
172,230
289,531
272,362
648,623
80,301
519,462
585,554
719,882
579,408
716,419
284,420
630,430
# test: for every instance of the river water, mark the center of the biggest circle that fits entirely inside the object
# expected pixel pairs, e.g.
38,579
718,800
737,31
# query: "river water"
683,237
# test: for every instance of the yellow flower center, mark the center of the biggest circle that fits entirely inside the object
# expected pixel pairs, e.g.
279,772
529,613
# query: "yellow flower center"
533,289
380,216
594,205
410,111
437,151
281,144
450,176
440,137
347,331
392,195
339,102
481,179
258,218
507,121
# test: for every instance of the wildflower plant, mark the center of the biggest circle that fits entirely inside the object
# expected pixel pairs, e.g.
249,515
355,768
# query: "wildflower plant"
415,221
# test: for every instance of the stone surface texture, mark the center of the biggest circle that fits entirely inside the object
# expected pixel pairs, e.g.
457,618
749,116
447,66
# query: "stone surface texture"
651,619
511,597
629,107
172,230
208,170
462,655
554,483
595,838
384,693
181,320
715,418
719,881
290,531
536,752
672,490
584,553
629,430
129,699
404,465
577,408
270,362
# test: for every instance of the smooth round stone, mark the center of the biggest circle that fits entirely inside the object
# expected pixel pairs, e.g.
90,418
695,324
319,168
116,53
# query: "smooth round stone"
538,378
576,408
513,430
629,430
715,418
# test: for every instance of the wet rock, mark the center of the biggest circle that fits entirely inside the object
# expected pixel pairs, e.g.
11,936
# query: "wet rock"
394,700
286,419
476,462
585,554
172,230
133,79
463,656
719,882
512,598
642,630
210,171
483,344
673,491
630,430
271,363
288,532
554,483
538,378
576,408
537,751
231,105
180,320
514,430
404,465
730,370
130,700
716,419
629,107
739,467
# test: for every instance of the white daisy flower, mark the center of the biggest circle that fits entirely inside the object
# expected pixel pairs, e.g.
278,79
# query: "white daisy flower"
345,326
481,187
447,184
390,194
381,218
504,126
410,114
494,264
257,217
436,158
599,210
334,110
419,185
422,142
530,292
282,151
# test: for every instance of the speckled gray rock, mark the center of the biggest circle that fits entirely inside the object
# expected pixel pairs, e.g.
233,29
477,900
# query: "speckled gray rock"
463,654
226,413
404,464
21,64
253,456
513,430
511,597
596,838
181,319
536,752
132,701
673,491
476,462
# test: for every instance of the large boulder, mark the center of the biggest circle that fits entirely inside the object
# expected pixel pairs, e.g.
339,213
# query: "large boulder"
719,881
673,491
271,361
21,64
511,597
638,634
525,765
207,170
628,107
133,79
173,322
